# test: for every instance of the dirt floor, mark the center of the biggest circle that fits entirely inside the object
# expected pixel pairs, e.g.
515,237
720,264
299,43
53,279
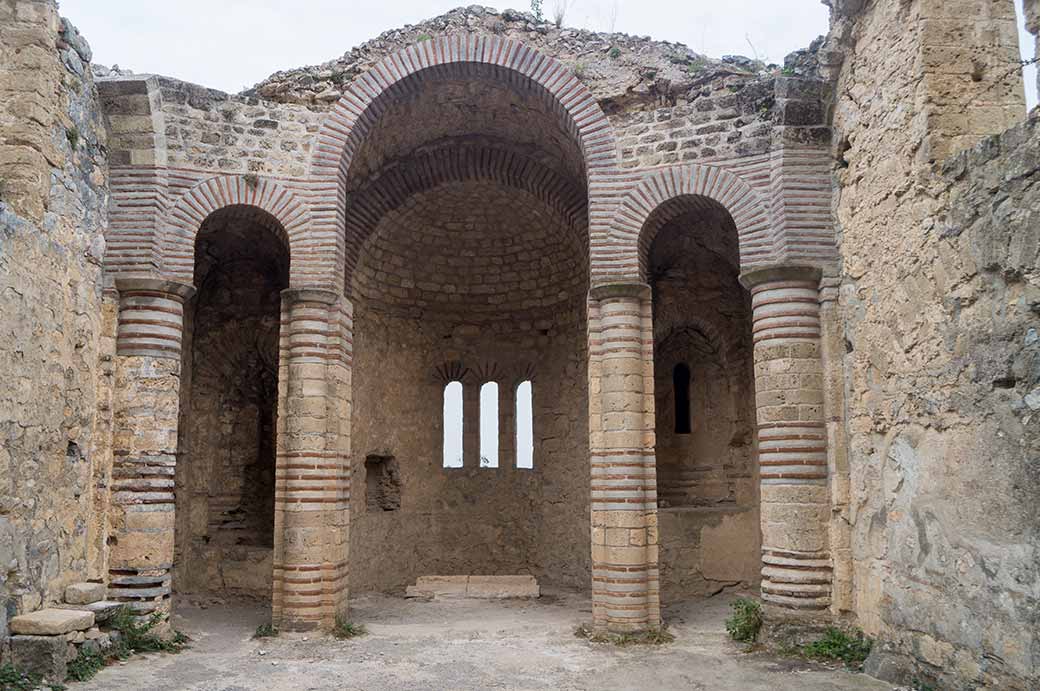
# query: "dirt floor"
463,644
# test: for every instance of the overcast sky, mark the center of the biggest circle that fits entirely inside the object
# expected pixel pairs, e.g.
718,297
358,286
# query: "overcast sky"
232,44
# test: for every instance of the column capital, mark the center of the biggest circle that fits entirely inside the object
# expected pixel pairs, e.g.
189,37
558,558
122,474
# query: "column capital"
310,294
780,272
173,289
620,290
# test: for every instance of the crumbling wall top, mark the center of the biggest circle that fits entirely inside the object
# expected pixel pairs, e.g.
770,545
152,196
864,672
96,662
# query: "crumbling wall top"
616,67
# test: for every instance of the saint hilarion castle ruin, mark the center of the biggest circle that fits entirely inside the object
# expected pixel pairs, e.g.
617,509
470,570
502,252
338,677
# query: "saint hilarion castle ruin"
487,297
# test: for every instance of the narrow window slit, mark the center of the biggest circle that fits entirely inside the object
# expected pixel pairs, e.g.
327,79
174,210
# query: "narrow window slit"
524,426
489,425
453,425
681,389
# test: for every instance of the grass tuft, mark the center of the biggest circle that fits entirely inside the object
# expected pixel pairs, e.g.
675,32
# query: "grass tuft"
852,648
137,635
347,629
267,630
746,621
13,679
85,665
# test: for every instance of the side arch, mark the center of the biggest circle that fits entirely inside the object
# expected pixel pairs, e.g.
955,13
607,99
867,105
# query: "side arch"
358,111
182,223
631,234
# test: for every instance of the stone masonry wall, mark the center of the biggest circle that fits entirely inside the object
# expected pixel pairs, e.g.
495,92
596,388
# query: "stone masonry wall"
939,295
470,520
56,340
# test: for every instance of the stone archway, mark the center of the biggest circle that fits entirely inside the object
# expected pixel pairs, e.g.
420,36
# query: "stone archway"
792,445
358,178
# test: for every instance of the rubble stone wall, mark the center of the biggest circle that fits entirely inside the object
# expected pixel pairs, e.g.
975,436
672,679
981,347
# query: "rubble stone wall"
57,335
939,299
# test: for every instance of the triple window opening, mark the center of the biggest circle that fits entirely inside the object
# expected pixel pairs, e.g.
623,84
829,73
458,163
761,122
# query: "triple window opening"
489,425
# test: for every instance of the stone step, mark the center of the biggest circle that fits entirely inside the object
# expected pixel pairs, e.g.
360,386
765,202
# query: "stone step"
52,622
102,610
84,593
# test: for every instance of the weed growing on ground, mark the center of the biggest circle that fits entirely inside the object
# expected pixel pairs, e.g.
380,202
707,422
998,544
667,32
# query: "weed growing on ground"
137,635
267,630
13,679
852,648
85,665
746,621
348,629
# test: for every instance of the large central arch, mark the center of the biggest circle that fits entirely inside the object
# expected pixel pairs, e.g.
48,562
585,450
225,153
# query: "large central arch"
355,179
358,111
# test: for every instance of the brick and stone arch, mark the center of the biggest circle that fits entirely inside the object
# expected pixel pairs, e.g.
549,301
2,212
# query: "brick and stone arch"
229,406
706,487
461,162
662,195
462,56
264,201
464,184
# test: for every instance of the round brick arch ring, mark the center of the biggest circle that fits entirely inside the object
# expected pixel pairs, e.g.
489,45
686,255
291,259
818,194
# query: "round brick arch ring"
267,199
365,98
630,235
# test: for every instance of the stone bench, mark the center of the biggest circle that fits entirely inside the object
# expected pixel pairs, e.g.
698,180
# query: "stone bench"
476,587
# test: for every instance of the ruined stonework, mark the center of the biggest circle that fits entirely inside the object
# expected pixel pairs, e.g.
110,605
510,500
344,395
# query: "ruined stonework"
57,328
938,294
779,325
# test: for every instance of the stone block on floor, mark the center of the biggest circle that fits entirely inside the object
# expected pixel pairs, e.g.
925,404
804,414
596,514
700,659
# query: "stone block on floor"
52,622
497,587
438,586
102,610
481,587
43,655
84,593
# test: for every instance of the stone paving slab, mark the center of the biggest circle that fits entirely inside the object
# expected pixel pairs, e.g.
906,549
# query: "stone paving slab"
52,622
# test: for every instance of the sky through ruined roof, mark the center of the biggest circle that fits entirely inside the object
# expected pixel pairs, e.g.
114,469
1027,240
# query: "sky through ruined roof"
232,44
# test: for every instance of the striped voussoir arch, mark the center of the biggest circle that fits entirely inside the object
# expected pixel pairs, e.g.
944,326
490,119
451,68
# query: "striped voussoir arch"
365,99
631,235
273,205
459,163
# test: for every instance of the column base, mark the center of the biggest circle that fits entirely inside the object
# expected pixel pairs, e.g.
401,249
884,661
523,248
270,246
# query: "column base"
785,628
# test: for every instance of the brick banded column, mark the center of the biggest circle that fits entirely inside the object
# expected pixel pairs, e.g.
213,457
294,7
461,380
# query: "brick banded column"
312,479
146,401
792,437
625,576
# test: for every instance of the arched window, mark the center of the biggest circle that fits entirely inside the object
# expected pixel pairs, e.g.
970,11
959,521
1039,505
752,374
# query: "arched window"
453,425
681,389
489,425
524,425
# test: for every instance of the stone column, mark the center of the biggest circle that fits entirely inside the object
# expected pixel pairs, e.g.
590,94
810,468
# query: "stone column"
792,437
625,579
312,480
146,401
